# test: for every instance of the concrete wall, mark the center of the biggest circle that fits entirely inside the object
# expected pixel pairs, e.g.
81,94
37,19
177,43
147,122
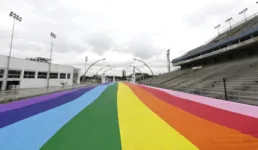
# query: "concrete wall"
26,65
38,83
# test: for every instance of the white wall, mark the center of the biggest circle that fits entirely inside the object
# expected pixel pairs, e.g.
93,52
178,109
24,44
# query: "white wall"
17,63
37,83
33,83
22,64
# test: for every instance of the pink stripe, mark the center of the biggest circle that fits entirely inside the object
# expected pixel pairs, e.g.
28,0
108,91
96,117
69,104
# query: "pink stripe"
243,109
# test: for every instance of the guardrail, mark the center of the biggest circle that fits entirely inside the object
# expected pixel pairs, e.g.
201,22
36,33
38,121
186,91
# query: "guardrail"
238,96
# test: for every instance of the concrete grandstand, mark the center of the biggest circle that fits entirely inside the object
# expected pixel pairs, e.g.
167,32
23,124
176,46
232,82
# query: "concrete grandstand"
232,55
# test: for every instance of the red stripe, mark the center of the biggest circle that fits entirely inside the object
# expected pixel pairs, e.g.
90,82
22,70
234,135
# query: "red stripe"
245,124
205,134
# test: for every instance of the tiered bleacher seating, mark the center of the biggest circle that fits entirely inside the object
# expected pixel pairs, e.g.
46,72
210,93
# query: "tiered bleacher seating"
241,74
244,26
241,79
242,32
162,79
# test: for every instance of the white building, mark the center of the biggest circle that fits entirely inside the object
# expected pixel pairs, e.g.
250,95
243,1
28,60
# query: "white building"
31,74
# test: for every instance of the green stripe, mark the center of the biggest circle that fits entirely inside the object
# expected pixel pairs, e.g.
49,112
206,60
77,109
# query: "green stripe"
94,128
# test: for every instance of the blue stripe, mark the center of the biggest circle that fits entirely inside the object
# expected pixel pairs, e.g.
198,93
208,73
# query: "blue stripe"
33,132
12,116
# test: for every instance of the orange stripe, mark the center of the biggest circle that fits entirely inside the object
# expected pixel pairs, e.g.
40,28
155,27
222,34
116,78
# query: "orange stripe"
202,133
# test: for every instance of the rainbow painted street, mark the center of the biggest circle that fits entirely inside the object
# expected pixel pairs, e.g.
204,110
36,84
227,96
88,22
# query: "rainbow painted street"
126,116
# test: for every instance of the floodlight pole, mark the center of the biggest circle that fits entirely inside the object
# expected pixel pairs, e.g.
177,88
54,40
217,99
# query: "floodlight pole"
86,59
104,72
145,65
100,70
217,27
15,18
244,13
53,36
168,60
90,67
137,69
229,21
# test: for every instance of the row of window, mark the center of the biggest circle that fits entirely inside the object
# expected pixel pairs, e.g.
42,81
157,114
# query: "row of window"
32,74
1,73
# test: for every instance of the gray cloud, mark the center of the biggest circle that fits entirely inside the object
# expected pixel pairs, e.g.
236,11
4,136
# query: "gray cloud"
72,30
141,47
4,34
215,13
100,43
101,29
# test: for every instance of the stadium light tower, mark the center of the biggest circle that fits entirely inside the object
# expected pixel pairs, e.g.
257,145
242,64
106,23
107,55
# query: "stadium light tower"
53,36
229,21
19,19
243,12
217,27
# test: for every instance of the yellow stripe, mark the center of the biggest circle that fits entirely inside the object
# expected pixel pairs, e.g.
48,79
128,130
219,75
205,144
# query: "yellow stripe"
142,129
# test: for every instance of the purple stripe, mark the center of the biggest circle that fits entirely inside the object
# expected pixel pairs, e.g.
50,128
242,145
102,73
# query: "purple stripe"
12,116
239,108
33,100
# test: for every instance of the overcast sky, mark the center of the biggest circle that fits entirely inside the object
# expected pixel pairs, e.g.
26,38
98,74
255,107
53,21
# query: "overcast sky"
117,30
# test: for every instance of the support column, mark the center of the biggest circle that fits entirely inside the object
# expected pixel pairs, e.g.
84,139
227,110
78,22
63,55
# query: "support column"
103,79
4,83
133,77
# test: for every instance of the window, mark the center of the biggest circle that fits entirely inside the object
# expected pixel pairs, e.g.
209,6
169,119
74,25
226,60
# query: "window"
1,73
62,75
42,75
53,75
14,74
68,76
29,74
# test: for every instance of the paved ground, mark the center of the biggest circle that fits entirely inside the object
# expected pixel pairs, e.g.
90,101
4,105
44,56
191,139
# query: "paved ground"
18,94
127,116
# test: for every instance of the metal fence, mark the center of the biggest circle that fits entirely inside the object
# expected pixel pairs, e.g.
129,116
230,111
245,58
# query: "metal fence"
234,96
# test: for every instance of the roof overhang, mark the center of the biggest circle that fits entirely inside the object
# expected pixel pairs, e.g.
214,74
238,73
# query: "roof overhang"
219,51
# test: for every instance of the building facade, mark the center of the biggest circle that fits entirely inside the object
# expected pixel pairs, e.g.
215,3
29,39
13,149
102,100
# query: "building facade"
124,73
31,74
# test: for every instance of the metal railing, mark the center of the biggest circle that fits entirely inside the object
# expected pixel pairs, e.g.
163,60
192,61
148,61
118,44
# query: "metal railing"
234,96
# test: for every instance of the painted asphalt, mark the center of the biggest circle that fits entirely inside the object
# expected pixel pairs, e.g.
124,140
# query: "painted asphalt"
126,116
18,94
